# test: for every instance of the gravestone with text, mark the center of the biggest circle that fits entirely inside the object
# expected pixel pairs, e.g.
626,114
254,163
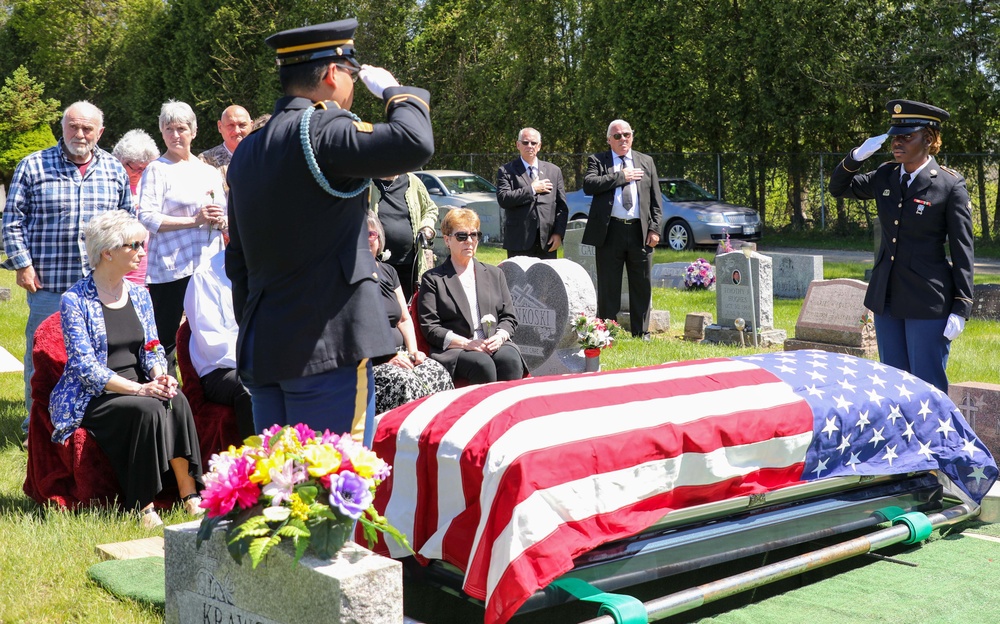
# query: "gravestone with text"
575,250
205,584
743,291
547,295
980,404
834,318
793,273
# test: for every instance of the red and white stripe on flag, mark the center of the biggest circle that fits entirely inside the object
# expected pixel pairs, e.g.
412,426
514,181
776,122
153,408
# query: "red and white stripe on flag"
511,481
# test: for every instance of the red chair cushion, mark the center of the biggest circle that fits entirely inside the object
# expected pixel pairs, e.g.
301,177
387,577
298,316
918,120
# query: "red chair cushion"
76,472
215,422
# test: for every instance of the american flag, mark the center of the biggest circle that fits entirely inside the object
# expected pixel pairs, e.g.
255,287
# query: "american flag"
510,481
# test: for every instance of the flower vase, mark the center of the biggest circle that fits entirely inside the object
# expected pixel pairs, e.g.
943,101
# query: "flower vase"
592,360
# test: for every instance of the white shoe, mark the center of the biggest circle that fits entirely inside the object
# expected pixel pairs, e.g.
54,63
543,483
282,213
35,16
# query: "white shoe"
149,519
192,504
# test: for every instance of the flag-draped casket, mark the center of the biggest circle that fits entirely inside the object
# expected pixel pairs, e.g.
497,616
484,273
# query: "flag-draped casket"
510,481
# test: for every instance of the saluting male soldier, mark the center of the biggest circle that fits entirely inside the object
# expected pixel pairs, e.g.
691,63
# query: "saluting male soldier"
304,282
920,300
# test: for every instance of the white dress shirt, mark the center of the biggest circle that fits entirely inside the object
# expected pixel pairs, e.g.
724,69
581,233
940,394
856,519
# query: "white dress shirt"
208,304
618,210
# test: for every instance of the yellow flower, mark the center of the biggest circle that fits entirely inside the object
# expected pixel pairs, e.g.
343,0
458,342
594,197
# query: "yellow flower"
299,509
366,463
262,469
321,459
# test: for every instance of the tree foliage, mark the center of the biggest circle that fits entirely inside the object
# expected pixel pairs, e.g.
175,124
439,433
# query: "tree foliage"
773,82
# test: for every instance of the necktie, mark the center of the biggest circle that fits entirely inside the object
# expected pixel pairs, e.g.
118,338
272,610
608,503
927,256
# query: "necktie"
533,173
626,192
904,182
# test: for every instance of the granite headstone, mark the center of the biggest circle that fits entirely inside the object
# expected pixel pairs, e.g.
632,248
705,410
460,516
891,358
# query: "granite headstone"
547,295
980,404
743,287
793,273
205,584
669,275
575,250
986,302
834,318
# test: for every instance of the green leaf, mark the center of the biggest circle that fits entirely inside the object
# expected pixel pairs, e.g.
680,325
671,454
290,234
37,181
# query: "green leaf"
329,537
206,529
307,493
260,547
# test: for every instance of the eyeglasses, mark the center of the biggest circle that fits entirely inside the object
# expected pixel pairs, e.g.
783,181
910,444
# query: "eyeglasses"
464,236
135,246
350,69
136,167
621,135
532,143
372,235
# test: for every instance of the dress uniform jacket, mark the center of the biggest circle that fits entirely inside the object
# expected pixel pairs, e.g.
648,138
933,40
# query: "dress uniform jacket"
602,180
527,214
912,277
303,275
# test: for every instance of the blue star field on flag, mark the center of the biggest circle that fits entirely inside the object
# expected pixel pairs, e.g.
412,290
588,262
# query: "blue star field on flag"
873,419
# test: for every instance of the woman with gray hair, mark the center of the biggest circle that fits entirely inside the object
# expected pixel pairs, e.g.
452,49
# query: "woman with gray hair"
114,384
407,374
135,150
181,203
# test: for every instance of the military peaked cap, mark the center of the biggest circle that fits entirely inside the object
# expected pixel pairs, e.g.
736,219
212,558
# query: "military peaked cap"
331,40
908,116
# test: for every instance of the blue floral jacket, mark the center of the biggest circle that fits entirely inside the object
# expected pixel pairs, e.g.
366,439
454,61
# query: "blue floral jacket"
86,337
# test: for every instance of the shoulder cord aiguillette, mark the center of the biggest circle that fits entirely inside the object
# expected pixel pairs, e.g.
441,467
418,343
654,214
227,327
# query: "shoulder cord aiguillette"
314,166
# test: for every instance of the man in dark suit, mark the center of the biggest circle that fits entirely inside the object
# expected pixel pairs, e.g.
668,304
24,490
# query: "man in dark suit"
623,226
304,280
919,298
533,197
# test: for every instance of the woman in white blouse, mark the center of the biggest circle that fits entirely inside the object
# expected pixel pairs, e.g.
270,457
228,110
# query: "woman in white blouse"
182,204
466,312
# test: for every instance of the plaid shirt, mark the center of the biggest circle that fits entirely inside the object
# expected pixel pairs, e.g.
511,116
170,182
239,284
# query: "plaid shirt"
48,205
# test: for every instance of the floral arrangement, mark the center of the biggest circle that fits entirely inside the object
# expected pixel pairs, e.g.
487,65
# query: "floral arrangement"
727,245
595,333
867,320
699,274
293,482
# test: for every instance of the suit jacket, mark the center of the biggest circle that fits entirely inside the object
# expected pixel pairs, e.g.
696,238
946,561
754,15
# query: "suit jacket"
602,180
298,257
526,213
442,307
911,271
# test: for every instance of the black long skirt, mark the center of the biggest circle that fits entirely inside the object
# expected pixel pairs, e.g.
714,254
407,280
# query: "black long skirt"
141,435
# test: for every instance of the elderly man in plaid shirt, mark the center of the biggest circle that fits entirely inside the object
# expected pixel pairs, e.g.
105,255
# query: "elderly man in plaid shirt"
54,193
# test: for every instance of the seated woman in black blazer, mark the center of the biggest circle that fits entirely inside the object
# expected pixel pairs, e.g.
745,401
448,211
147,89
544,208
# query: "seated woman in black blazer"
465,309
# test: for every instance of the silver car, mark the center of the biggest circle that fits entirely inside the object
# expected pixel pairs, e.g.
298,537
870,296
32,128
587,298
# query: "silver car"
691,216
461,189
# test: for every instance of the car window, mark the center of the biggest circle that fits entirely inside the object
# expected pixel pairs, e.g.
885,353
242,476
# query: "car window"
431,184
467,184
684,190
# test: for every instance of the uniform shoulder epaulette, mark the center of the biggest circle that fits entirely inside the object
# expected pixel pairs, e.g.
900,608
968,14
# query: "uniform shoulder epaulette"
951,171
363,126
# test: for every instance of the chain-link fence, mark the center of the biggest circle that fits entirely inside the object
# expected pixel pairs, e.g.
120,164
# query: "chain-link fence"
786,189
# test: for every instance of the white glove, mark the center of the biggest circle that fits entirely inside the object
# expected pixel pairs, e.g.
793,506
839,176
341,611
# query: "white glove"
955,326
377,79
869,147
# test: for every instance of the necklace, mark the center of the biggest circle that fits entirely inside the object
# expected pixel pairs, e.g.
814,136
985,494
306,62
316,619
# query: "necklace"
108,292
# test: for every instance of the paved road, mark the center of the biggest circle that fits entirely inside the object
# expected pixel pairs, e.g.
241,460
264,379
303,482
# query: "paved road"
983,265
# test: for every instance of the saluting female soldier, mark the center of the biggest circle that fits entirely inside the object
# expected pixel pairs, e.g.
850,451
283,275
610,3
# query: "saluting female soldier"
920,299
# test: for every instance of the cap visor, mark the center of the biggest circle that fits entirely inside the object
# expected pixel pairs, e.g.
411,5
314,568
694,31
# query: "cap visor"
902,129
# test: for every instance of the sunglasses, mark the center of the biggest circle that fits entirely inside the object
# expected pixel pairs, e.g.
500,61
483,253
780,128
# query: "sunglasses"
621,135
464,236
372,235
529,143
135,246
350,69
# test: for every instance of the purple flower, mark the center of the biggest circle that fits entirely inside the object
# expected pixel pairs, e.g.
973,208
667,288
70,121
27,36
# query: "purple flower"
349,494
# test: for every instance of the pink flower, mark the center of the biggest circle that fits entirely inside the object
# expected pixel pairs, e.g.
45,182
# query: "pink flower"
304,432
228,485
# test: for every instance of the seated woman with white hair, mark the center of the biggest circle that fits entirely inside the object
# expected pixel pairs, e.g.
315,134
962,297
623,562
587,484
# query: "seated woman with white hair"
181,203
114,384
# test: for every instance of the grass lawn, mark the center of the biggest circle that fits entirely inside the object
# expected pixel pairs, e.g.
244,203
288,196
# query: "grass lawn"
45,553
